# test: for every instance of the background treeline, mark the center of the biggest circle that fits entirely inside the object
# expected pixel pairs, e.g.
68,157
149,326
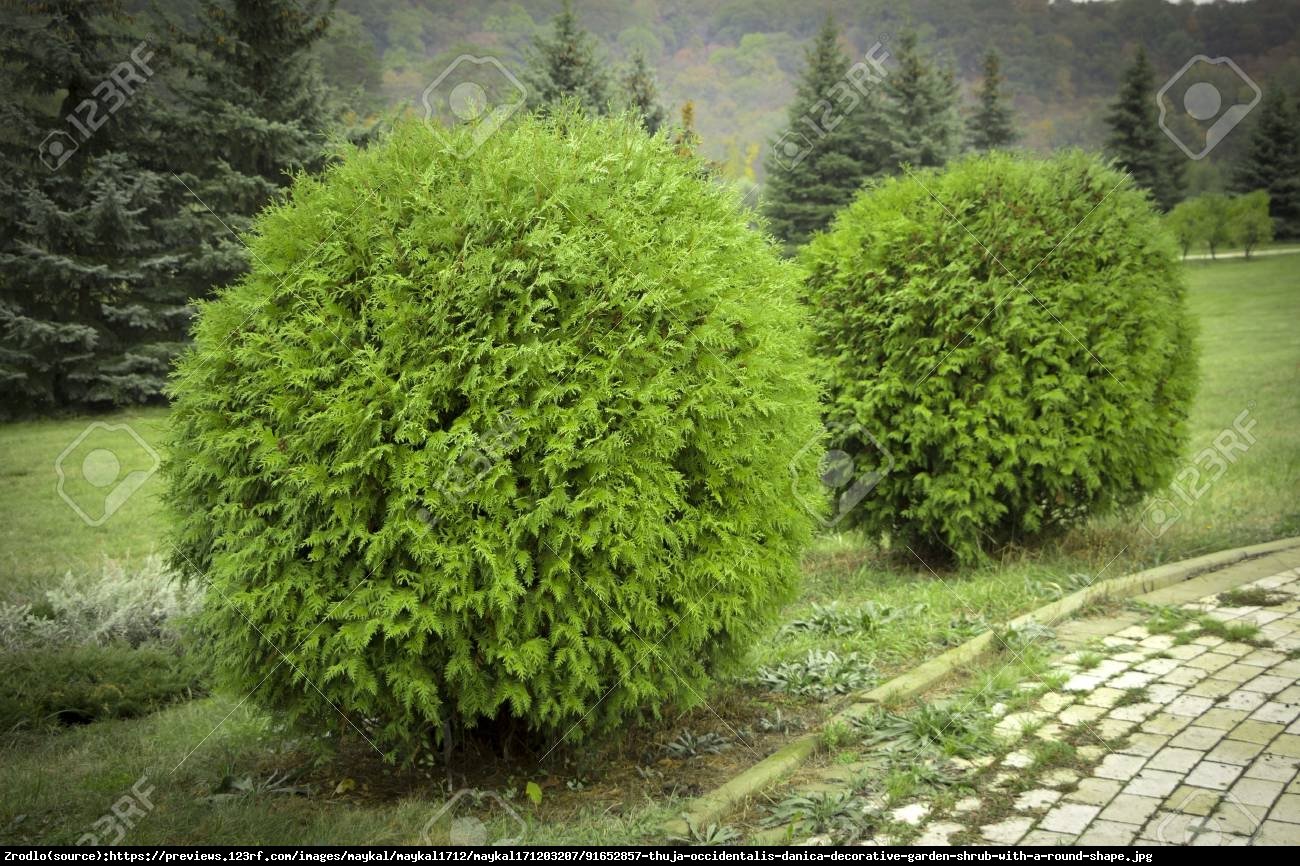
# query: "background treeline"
739,61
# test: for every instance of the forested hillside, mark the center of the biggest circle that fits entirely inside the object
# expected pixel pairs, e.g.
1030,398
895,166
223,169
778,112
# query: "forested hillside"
737,61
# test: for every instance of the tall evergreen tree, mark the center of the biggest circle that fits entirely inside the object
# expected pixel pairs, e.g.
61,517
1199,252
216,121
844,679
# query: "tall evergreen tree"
990,127
86,228
641,94
1272,161
829,146
1136,141
921,124
565,65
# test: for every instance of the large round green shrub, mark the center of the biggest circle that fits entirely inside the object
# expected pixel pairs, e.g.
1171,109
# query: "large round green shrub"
495,436
1007,349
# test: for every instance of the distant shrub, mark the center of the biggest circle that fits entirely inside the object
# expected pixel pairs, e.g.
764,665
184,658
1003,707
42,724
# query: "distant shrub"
82,684
1007,349
496,434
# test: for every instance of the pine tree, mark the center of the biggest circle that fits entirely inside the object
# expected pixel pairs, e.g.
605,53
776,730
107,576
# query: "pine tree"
1136,141
564,66
921,124
817,164
1272,161
990,127
641,94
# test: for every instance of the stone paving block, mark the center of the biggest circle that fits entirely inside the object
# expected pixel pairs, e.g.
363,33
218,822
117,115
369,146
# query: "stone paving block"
1287,745
1287,808
1131,680
1190,706
1269,685
1107,833
1164,723
1255,732
1134,632
1131,658
1163,693
1289,695
1018,760
1111,729
1220,840
912,814
1040,838
1094,792
1007,832
1060,777
1135,712
1277,768
1144,744
1159,667
1184,676
1153,783
1210,662
1130,809
1091,754
1040,798
1236,650
1080,714
1105,697
1069,817
1278,833
966,804
1274,711
937,835
1222,719
1190,800
1212,774
1237,752
1256,792
1243,700
1176,760
1234,816
1208,640
1158,642
1196,737
1210,687
1262,658
1174,828
1081,683
1118,766
1237,673
1054,702
1185,651
1050,732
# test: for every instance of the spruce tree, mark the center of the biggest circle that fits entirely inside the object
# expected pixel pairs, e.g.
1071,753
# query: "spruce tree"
817,164
1136,141
89,315
565,66
641,94
990,127
921,124
1272,161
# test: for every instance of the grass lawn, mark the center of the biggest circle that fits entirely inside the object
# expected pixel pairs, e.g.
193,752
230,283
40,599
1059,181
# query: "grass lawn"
877,615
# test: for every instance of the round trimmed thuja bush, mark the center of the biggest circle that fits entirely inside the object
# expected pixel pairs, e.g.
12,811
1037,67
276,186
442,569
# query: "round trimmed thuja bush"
497,437
1007,349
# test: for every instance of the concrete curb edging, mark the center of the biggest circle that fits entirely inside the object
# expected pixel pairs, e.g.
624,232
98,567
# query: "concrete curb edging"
715,805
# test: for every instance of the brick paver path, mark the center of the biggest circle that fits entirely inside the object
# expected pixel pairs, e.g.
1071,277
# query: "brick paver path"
1191,741
1209,756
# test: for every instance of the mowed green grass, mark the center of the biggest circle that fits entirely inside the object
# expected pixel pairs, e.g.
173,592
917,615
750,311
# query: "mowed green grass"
56,786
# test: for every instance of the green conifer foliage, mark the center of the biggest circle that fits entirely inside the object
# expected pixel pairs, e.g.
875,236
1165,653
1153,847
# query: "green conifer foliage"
509,437
1136,141
830,145
565,66
997,410
641,93
920,121
990,127
1272,162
